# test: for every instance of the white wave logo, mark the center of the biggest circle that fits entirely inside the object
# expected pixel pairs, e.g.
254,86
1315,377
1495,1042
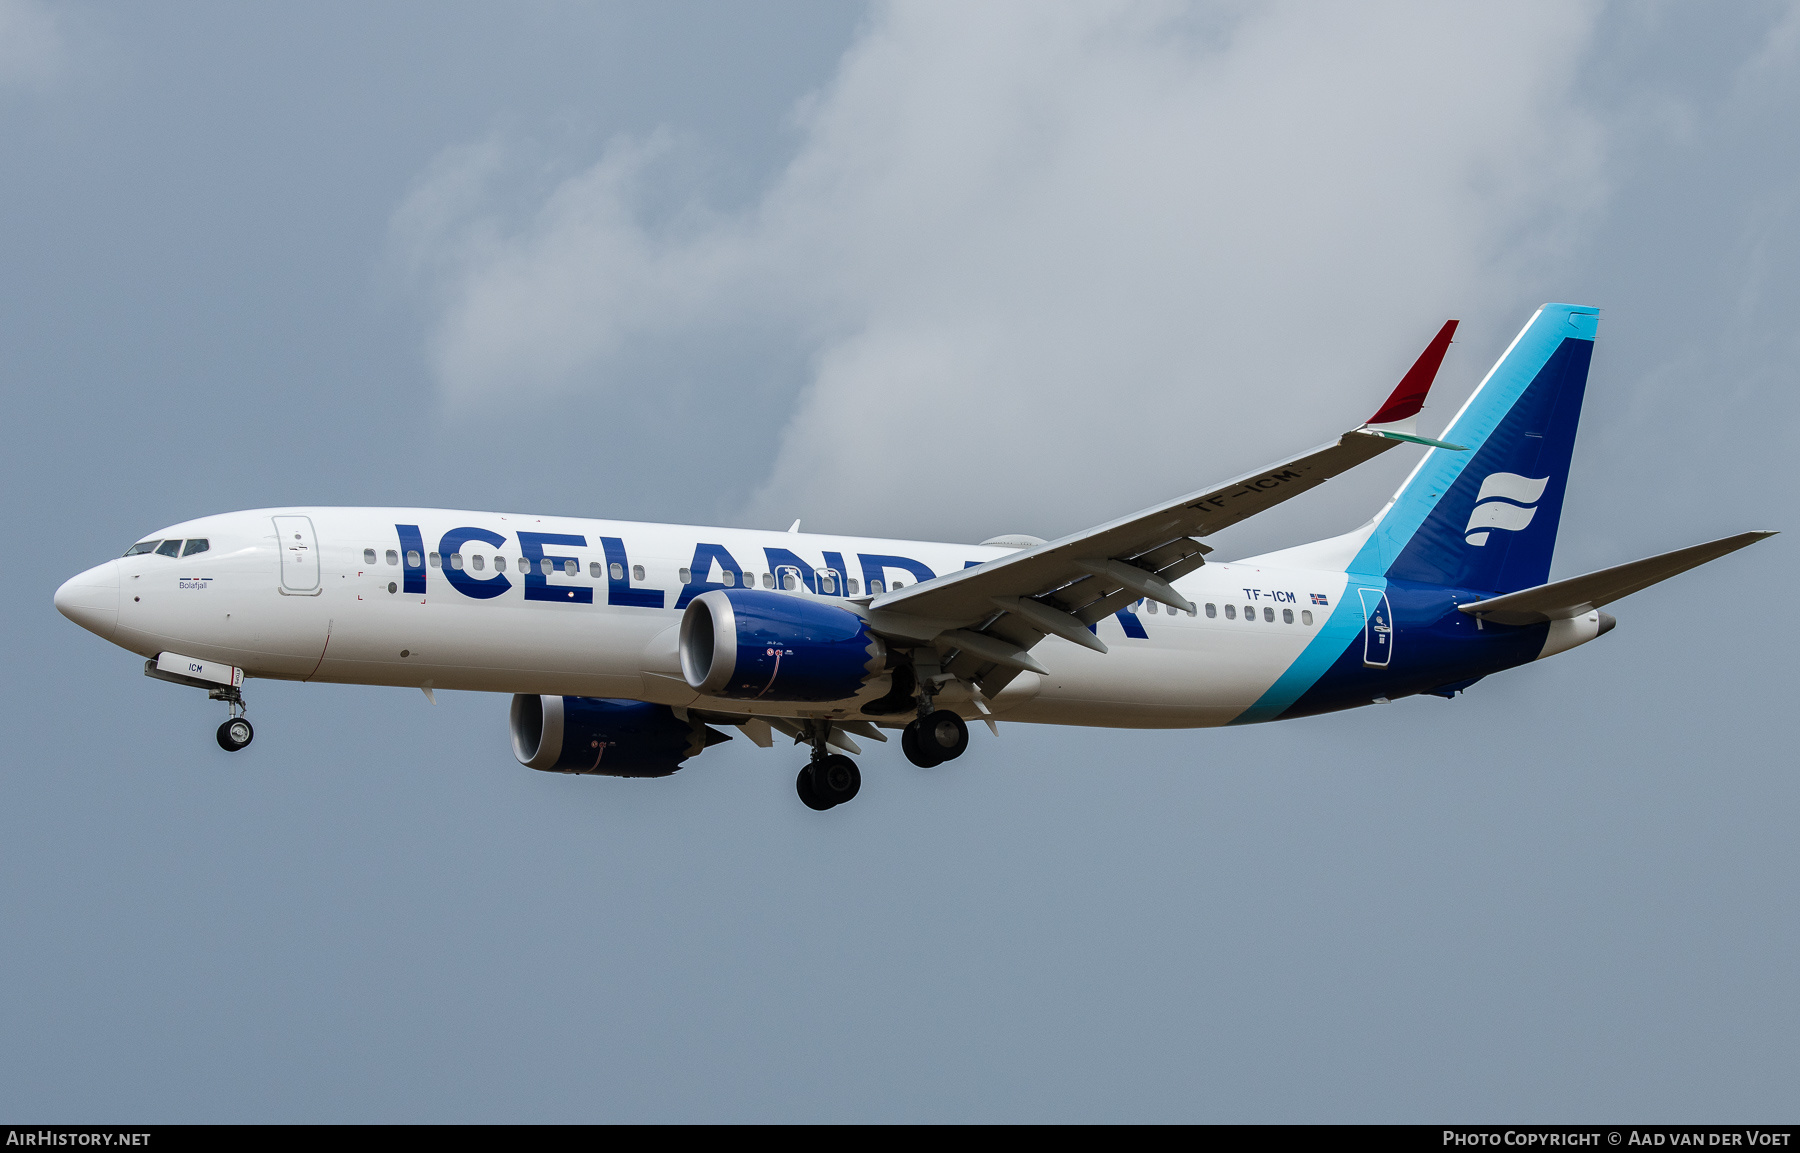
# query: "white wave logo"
1506,503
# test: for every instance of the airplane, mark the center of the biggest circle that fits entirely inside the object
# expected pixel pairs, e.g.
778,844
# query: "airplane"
629,647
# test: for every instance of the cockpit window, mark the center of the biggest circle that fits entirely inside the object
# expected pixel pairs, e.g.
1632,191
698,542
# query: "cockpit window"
169,548
142,547
199,544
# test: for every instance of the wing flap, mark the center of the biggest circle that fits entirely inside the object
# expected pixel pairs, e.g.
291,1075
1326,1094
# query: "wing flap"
1150,535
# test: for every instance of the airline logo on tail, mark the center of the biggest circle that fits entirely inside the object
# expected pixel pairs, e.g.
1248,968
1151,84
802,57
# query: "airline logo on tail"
1506,503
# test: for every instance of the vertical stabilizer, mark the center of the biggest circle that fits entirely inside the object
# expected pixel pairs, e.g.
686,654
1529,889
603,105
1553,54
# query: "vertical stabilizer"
1486,518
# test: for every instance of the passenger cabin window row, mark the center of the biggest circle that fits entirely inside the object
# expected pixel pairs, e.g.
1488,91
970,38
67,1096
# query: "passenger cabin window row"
828,581
1268,614
169,547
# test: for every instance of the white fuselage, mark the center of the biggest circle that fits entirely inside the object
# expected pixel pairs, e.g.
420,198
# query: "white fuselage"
317,609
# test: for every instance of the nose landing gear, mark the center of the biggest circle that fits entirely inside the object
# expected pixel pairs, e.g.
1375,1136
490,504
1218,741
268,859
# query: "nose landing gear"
221,683
236,733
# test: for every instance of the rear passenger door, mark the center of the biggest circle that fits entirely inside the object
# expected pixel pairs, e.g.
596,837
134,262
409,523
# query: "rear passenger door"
1378,629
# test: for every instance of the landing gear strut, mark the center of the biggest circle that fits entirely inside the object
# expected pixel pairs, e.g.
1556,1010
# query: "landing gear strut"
236,732
830,779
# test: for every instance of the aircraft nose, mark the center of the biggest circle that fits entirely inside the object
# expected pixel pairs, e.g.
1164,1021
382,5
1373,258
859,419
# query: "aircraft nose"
91,599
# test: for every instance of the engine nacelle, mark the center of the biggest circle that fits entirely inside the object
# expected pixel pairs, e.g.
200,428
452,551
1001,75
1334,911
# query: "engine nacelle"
608,737
746,644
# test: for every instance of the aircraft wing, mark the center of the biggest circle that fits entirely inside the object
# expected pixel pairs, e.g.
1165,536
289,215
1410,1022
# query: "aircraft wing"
1582,594
986,617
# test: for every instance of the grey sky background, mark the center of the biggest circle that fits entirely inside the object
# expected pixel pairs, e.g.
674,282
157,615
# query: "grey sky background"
943,271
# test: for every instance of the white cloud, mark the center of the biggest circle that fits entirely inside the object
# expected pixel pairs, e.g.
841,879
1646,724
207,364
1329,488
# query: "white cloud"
31,46
1062,253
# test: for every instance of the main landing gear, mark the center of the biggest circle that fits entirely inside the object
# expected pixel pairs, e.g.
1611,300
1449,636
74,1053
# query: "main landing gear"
828,782
235,733
830,779
935,737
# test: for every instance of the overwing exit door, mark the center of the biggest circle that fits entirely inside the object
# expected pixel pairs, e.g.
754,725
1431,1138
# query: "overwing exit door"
299,553
1378,629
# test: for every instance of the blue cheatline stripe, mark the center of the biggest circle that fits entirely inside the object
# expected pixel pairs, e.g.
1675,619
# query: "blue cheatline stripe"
1341,629
1486,408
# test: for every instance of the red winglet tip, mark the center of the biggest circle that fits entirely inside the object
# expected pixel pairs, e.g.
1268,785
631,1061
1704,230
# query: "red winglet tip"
1409,395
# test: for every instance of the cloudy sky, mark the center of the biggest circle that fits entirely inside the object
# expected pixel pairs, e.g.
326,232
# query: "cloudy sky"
936,270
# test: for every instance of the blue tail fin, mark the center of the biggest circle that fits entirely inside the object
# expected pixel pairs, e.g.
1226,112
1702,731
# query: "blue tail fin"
1486,518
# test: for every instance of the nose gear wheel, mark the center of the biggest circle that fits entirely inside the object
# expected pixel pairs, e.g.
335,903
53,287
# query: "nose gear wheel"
235,734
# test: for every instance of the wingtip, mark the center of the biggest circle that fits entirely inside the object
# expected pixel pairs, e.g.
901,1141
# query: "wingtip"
1408,397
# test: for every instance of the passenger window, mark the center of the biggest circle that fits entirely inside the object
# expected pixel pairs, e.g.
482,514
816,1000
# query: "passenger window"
1269,615
1287,616
570,568
594,569
412,558
436,560
393,557
1231,612
169,548
790,581
899,584
1306,616
827,581
456,561
477,562
1249,613
616,571
499,564
727,578
142,547
768,580
875,588
368,556
852,583
200,544
524,565
1212,610
686,575
637,572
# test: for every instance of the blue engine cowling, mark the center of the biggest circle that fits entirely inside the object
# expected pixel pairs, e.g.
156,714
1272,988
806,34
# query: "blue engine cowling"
608,737
746,644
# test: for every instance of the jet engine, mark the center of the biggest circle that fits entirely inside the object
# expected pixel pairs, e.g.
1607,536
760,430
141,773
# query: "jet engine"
607,737
746,644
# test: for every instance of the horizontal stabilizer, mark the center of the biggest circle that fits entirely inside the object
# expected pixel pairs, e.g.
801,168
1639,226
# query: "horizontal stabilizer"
1560,600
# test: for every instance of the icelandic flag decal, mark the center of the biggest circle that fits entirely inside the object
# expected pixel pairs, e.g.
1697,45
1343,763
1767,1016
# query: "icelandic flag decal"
1320,599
